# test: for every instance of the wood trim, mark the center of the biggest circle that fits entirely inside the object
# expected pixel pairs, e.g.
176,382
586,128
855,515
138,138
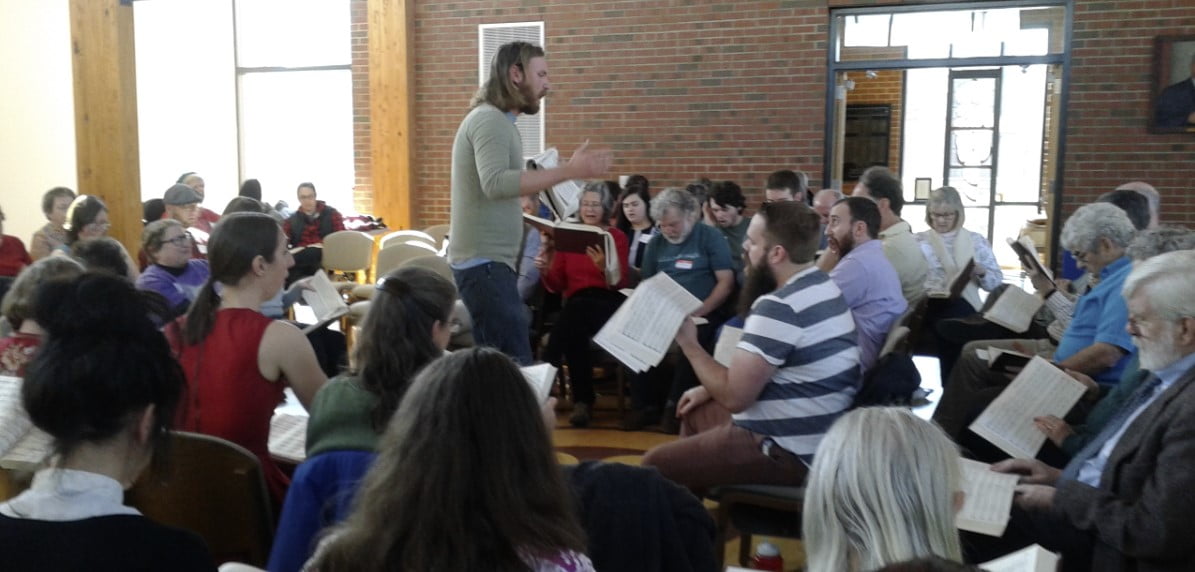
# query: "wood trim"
105,86
391,95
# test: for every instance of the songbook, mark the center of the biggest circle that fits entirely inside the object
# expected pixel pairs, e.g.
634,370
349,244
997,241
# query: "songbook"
642,330
728,341
957,282
1008,361
987,499
288,436
541,377
1027,252
1039,390
564,198
1014,309
325,301
578,238
1029,559
22,446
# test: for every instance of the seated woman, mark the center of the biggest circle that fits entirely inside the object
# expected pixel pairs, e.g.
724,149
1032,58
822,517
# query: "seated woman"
884,488
634,220
54,205
589,297
406,328
238,361
17,348
466,479
105,387
87,218
172,272
13,256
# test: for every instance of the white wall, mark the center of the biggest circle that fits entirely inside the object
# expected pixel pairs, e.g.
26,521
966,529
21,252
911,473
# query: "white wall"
37,110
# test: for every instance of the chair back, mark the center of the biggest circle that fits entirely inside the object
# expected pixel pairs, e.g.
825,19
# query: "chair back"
438,232
431,262
347,251
402,236
215,489
397,255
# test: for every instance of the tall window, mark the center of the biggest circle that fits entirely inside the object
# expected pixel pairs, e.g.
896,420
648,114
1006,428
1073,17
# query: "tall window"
490,38
237,89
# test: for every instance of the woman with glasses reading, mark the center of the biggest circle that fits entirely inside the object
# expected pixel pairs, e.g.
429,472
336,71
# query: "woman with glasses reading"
948,247
172,272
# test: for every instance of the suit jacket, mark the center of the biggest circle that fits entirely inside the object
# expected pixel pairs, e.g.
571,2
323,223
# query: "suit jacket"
1175,104
1142,516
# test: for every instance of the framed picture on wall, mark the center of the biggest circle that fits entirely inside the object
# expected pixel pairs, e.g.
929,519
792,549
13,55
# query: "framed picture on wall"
1173,105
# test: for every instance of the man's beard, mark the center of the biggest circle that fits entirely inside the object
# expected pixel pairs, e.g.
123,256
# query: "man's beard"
845,244
530,100
1159,353
760,280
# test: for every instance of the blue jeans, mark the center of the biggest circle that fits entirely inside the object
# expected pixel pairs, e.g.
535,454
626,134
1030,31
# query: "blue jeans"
490,292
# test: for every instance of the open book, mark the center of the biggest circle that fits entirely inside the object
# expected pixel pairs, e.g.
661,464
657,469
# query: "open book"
541,377
1027,252
728,341
642,330
987,499
22,446
1040,389
564,198
577,237
1014,309
325,301
957,282
1029,559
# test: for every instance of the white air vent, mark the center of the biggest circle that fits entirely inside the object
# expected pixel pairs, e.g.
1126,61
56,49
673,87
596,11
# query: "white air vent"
490,38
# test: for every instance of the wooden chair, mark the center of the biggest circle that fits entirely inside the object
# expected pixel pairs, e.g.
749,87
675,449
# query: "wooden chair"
402,236
765,510
439,233
348,252
215,489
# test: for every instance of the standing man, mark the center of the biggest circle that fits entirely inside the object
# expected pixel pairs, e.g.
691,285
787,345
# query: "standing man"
487,180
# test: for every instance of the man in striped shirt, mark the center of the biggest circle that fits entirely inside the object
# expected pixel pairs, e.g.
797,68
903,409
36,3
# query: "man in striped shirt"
795,370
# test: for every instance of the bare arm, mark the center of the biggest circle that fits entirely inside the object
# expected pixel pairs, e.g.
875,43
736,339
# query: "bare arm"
286,352
1093,359
721,290
735,388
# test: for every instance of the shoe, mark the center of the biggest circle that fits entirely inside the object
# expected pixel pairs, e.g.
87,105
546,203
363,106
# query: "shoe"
637,419
580,416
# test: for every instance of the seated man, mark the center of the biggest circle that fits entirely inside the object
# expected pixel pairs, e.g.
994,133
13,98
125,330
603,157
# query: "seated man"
795,370
182,204
867,280
1095,342
307,227
727,202
900,245
697,257
785,185
206,217
1124,501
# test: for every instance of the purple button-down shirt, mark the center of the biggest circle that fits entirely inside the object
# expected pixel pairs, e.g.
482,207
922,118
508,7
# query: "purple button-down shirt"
871,288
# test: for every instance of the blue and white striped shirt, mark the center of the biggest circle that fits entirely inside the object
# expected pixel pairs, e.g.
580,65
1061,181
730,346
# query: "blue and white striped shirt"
805,329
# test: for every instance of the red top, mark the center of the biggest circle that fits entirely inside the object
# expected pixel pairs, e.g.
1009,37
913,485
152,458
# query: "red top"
227,396
13,256
16,351
572,272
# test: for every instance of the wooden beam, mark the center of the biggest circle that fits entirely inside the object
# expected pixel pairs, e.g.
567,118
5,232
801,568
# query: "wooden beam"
391,94
105,83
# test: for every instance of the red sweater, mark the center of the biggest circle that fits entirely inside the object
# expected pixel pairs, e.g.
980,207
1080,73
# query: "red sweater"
13,256
572,272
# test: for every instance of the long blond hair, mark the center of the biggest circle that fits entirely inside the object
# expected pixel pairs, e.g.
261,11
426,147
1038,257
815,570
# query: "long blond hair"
881,491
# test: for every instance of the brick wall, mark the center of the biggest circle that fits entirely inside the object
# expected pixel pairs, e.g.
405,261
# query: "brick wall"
362,155
682,89
886,88
1111,79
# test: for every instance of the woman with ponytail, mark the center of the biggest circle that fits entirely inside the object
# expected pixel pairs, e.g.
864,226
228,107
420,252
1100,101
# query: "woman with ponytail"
105,387
238,361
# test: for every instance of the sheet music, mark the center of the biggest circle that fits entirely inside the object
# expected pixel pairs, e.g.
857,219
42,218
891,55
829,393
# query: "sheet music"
564,198
1014,309
14,422
642,330
30,452
1040,389
288,436
728,342
1029,559
987,499
541,377
324,300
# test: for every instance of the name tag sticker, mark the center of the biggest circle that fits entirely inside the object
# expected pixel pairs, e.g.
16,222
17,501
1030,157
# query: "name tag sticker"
684,264
645,238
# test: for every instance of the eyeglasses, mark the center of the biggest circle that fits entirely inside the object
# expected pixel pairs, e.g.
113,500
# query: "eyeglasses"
100,225
946,215
180,240
589,205
1079,255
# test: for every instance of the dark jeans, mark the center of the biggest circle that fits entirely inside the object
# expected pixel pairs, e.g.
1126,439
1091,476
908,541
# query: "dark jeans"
1027,528
580,319
646,388
490,292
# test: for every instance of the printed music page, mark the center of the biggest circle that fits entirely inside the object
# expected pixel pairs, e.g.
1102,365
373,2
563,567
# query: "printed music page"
14,422
1014,309
1040,389
1029,559
987,500
541,377
642,330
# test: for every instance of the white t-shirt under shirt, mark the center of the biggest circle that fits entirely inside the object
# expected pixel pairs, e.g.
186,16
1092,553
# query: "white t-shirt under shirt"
805,329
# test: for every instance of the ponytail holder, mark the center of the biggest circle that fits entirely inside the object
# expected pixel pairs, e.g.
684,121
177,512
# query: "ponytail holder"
393,286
